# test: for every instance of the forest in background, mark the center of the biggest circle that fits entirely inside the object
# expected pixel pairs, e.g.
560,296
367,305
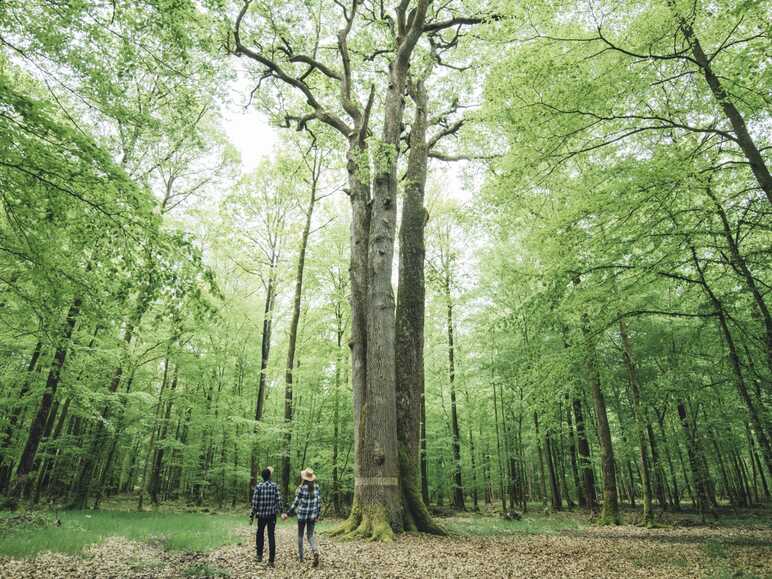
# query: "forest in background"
597,253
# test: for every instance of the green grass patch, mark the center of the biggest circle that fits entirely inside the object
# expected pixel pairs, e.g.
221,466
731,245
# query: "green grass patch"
715,549
204,570
173,531
480,525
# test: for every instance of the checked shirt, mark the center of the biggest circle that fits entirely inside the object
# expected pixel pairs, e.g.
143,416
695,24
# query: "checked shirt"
306,506
266,500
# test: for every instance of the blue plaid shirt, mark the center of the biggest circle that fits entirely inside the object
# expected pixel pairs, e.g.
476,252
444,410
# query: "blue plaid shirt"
306,506
266,500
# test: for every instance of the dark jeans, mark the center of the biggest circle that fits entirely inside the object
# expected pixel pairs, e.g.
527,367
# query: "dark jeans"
308,527
262,523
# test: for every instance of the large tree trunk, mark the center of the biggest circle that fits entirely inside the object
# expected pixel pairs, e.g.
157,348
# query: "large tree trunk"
27,460
293,333
610,512
377,511
410,313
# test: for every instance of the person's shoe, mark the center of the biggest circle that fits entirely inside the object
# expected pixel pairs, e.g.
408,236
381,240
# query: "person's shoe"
270,564
259,558
316,559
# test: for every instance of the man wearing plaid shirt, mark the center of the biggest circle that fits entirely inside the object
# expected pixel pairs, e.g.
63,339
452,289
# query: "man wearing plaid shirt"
266,503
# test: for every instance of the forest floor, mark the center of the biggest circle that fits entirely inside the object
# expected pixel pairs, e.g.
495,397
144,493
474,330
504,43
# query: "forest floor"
562,545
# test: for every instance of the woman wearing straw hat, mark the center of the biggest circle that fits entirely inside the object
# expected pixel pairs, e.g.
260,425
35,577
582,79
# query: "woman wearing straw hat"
308,507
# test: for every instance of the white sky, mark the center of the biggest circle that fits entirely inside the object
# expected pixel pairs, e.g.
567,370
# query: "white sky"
248,129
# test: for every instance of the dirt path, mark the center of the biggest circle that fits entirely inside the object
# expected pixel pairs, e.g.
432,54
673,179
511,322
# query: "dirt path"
627,552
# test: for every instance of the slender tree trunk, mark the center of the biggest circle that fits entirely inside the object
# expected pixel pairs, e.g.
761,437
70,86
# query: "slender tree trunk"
336,492
759,426
742,135
6,462
660,484
560,460
458,486
556,499
100,436
158,459
585,461
635,391
610,512
424,456
741,266
572,455
676,496
498,449
265,354
540,453
475,498
293,333
699,476
27,460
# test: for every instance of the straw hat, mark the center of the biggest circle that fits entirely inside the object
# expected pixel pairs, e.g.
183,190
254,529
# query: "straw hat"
308,475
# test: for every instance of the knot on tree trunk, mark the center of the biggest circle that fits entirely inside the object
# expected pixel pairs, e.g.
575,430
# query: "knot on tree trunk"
379,457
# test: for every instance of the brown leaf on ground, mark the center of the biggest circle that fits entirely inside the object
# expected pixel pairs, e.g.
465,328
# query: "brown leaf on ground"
624,551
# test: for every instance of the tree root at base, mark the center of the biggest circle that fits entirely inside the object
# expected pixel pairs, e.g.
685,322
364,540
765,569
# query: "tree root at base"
365,524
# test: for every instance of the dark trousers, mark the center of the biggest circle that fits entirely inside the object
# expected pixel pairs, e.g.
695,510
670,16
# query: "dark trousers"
270,523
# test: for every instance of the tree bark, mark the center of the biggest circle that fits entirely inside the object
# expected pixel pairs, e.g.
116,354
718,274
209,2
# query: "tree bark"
293,331
265,354
635,394
572,453
742,135
378,508
585,461
155,476
91,459
458,486
741,267
759,427
699,476
610,512
410,314
27,460
6,463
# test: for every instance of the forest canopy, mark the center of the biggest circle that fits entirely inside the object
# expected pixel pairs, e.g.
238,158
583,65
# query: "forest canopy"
468,255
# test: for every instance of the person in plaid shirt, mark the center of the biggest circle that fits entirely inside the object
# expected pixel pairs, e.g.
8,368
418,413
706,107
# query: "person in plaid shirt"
266,504
308,507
